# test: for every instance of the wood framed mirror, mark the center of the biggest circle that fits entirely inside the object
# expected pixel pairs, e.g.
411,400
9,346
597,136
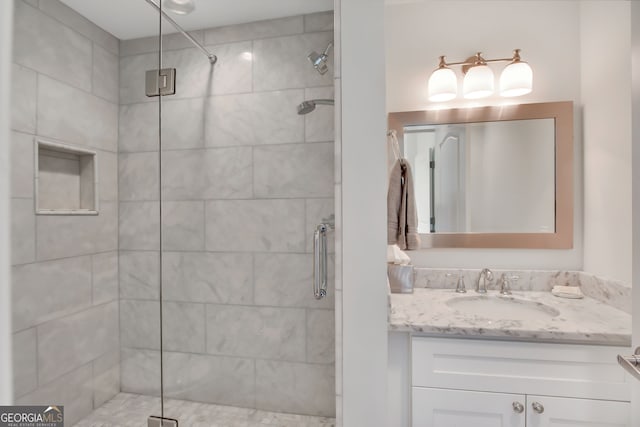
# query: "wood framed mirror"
491,177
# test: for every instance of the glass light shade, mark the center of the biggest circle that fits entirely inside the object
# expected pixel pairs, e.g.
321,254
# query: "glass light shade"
478,82
181,7
443,85
516,79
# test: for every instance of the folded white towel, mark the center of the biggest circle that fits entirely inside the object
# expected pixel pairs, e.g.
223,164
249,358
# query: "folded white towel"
567,292
395,255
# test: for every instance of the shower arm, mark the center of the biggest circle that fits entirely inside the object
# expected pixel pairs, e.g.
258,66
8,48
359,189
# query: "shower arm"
212,58
326,51
323,101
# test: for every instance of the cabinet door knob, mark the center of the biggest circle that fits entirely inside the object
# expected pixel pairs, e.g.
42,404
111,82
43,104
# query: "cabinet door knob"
537,407
518,407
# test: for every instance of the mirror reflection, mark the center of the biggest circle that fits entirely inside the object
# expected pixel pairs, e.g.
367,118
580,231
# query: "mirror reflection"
484,177
501,177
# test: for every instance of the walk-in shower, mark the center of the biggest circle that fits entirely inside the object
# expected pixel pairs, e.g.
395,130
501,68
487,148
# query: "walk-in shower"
187,294
306,107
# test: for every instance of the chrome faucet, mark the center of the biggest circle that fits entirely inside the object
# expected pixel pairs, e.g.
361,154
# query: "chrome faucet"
485,276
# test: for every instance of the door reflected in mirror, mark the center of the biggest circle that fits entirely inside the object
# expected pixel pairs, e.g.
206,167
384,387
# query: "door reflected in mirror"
492,177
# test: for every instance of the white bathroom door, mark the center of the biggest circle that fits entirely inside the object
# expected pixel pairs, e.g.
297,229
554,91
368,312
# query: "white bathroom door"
450,186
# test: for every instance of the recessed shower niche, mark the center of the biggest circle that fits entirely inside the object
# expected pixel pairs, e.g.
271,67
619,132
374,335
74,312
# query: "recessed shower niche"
65,179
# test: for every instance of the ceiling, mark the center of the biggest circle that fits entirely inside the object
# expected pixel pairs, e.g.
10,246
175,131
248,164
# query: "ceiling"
130,19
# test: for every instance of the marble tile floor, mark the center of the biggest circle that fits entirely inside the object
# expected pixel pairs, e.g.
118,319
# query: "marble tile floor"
132,410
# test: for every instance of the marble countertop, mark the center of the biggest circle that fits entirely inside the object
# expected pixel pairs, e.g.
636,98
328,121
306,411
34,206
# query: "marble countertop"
588,321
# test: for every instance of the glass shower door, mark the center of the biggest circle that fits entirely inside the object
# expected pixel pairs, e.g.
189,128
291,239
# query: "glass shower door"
188,274
245,179
140,222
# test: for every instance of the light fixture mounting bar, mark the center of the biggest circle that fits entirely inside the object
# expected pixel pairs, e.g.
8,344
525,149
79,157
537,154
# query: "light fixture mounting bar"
468,62
472,60
499,60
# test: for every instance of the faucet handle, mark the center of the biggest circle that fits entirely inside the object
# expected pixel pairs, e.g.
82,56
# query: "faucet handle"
460,287
505,286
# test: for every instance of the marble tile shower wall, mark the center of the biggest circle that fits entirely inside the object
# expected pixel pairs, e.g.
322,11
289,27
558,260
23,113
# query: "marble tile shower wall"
245,181
65,281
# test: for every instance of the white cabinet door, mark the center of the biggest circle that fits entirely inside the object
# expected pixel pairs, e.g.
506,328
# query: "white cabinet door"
567,412
435,407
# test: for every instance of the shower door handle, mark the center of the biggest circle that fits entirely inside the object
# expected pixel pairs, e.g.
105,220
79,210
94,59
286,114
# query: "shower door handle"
320,261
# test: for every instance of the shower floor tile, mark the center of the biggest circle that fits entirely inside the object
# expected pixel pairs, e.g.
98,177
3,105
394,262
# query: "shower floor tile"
132,410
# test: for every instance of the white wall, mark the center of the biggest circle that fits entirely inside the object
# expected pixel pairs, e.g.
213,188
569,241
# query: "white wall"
418,32
364,289
606,78
6,30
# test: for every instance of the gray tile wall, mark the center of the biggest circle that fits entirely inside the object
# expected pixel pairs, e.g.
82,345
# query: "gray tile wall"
245,182
65,268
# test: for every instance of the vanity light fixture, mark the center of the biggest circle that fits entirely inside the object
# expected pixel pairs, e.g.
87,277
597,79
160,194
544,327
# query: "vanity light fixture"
516,79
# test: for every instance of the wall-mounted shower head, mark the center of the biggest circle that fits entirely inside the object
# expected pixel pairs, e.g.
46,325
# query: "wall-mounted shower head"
308,106
319,61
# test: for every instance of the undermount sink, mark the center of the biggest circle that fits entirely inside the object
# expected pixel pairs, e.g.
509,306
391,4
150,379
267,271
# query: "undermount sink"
501,307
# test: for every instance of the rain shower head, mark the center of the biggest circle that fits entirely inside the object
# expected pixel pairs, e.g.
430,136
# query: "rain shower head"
306,107
180,7
319,61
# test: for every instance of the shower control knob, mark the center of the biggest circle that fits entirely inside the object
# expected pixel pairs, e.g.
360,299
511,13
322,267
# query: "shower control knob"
518,407
537,407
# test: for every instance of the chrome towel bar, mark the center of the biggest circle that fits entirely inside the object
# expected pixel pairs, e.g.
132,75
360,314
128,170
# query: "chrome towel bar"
631,363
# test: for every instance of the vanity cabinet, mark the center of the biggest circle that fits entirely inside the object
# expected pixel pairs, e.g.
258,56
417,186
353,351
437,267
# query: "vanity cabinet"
485,383
437,407
563,411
